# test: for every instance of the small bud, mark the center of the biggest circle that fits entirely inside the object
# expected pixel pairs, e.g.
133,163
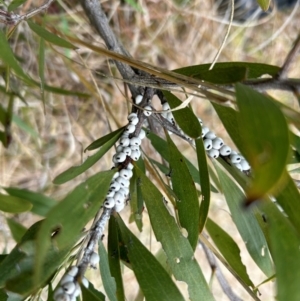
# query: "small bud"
217,143
147,111
213,153
225,150
210,135
109,202
73,271
138,99
207,144
69,287
235,158
131,116
130,128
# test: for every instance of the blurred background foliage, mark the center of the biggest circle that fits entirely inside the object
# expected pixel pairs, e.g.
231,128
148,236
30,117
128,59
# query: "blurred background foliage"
57,97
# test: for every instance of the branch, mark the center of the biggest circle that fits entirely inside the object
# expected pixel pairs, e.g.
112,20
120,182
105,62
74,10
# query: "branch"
11,18
222,280
289,59
100,22
291,85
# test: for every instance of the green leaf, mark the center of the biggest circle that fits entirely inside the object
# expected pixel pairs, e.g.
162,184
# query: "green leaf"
136,202
229,72
161,147
49,36
70,215
109,282
17,268
178,249
24,126
3,295
289,199
264,4
13,204
229,118
153,279
101,141
75,171
15,4
91,294
187,202
229,250
285,252
185,118
41,204
7,56
114,257
57,90
262,125
17,230
245,222
204,183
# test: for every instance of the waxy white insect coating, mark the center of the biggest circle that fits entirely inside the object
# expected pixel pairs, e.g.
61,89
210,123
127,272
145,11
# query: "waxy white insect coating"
85,282
120,207
135,141
109,202
210,135
135,155
132,116
130,165
62,297
239,166
125,173
138,99
225,150
207,144
235,158
94,260
58,291
217,143
66,278
69,287
114,186
124,141
245,165
73,271
205,130
134,121
142,134
213,153
127,150
121,157
147,111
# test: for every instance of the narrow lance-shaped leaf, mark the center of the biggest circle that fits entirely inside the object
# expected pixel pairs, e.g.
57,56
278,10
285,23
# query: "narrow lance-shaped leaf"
246,223
178,249
204,183
289,199
7,56
264,4
187,202
114,258
155,282
109,282
70,215
13,204
49,36
284,247
101,141
41,204
264,140
75,171
229,250
17,230
242,69
17,268
91,294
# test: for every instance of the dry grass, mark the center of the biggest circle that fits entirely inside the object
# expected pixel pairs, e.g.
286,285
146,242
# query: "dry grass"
163,34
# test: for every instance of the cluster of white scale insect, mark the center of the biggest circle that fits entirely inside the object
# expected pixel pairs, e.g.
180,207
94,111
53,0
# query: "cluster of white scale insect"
128,150
69,288
213,145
